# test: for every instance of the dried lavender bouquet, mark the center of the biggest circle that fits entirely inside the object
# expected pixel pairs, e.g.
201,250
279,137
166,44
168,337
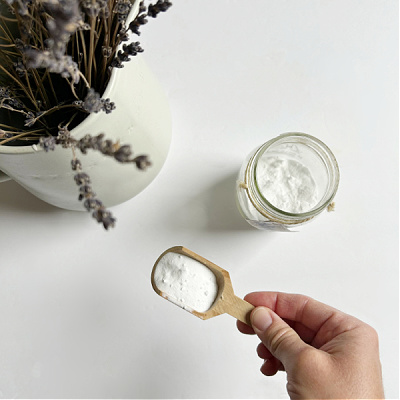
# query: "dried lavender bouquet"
56,57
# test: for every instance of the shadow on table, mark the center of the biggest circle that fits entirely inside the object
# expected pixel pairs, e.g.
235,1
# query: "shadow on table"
13,197
215,209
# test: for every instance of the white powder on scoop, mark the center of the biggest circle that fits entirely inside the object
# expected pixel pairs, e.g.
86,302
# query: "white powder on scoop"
286,184
186,282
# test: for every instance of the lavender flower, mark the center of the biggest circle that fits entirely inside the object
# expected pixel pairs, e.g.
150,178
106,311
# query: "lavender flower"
104,216
31,119
142,162
76,164
132,49
121,153
47,143
16,104
108,148
152,11
4,93
123,56
122,9
66,19
161,6
107,106
4,134
64,138
20,45
135,25
9,102
78,103
19,67
123,35
92,103
95,8
81,178
23,9
116,63
107,51
90,202
64,65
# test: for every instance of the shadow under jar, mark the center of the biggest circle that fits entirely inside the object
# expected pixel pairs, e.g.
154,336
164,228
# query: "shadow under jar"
287,182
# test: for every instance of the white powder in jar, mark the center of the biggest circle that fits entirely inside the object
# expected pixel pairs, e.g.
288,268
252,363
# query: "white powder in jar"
286,184
186,282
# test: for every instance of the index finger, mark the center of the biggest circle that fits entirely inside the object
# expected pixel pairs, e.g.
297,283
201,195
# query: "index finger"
287,306
307,316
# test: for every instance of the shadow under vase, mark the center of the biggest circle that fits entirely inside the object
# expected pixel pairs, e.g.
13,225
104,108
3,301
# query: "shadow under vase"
14,197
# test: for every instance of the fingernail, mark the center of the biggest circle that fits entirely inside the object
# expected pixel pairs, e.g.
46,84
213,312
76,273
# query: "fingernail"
261,319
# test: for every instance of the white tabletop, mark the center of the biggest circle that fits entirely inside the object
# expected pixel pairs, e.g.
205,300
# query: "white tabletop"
79,315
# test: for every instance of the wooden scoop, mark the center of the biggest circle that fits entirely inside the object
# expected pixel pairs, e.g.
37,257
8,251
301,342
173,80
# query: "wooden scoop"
225,302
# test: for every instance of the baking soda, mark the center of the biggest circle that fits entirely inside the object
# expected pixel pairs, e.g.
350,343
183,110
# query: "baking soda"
186,282
286,184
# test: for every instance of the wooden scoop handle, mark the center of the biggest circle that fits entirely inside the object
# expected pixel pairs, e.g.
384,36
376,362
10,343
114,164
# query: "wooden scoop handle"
238,308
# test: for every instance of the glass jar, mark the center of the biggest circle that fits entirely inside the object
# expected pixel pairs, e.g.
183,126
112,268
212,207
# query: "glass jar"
287,182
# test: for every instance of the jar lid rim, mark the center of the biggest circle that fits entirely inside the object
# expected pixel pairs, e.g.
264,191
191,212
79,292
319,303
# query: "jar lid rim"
259,200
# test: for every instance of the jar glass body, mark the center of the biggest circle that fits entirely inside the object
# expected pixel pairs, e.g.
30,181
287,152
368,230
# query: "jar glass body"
303,150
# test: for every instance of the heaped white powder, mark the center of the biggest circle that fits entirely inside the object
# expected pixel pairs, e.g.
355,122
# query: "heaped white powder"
187,282
286,184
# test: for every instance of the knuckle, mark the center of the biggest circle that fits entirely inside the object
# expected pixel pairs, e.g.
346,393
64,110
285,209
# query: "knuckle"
372,335
280,337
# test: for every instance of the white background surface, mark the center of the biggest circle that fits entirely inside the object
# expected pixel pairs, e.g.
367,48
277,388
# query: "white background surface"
78,315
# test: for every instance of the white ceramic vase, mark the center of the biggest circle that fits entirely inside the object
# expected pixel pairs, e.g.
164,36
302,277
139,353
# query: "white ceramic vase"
141,119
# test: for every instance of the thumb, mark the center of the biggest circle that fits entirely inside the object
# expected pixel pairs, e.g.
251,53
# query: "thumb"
277,336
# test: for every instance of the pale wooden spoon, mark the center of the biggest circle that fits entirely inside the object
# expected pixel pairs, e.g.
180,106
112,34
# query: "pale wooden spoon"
225,302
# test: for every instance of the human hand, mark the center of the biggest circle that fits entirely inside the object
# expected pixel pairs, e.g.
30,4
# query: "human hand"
325,352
